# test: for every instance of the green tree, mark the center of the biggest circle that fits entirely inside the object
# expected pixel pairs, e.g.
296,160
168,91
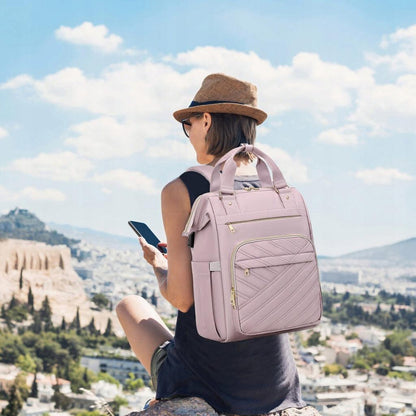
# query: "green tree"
314,339
13,302
109,329
21,385
11,347
106,377
361,364
398,343
36,326
132,383
100,300
26,363
335,369
91,327
30,300
61,401
63,324
76,323
117,403
21,279
45,313
47,350
15,403
34,387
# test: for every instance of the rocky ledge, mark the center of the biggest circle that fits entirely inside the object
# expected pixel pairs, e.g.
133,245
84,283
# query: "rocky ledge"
194,406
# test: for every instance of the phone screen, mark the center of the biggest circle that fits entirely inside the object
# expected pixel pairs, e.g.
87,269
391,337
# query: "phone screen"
142,230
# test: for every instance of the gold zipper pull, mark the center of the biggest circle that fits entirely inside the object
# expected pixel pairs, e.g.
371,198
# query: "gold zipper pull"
230,226
246,272
233,297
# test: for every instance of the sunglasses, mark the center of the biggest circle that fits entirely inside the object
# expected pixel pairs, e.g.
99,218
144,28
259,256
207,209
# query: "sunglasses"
186,126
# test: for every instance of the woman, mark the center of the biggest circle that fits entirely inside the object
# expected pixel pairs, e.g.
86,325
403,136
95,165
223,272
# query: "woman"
246,377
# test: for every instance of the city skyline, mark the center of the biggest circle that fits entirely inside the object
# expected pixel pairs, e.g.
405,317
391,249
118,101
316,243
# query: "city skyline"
87,136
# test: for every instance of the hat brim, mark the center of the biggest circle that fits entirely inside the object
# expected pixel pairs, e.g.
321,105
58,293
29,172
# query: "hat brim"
228,108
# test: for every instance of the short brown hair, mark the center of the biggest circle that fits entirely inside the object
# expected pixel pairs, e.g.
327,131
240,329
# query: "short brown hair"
228,131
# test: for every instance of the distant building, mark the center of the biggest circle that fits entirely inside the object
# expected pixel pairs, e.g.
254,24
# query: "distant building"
34,407
8,372
116,367
46,384
344,277
329,391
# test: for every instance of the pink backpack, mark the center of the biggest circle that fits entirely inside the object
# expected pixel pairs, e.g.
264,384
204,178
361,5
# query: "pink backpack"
254,264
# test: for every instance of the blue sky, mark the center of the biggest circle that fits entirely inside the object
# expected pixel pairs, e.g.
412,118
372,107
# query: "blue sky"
87,90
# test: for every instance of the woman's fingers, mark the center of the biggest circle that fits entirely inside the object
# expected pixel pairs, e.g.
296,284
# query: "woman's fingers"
151,254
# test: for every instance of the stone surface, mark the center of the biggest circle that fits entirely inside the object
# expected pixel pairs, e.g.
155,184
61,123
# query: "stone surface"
190,406
194,406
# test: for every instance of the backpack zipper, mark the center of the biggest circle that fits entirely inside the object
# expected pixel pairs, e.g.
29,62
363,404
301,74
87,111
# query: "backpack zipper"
231,223
252,240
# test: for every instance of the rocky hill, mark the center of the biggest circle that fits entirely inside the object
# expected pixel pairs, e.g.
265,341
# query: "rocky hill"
47,270
22,224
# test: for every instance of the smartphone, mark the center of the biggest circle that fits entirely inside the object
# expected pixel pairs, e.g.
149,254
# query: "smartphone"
142,230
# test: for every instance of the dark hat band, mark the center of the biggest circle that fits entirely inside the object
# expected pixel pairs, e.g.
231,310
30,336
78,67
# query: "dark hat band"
197,103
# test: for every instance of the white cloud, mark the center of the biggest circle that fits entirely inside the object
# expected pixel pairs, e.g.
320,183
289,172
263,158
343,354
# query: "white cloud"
88,34
17,82
292,169
134,102
43,194
308,84
3,133
388,108
64,166
150,90
31,193
341,136
382,176
133,180
171,149
106,138
404,58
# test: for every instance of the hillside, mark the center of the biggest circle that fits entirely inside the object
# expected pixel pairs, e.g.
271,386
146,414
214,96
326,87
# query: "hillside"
402,252
98,238
23,225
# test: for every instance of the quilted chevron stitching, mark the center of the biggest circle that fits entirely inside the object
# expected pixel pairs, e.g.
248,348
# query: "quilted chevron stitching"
273,295
270,294
309,295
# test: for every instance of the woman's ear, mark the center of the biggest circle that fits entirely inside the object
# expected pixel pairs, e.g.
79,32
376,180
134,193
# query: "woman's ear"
207,121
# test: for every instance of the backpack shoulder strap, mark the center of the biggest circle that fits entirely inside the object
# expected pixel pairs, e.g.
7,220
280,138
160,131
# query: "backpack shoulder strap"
204,170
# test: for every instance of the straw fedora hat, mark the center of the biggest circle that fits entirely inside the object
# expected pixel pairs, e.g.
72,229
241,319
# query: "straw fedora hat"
220,93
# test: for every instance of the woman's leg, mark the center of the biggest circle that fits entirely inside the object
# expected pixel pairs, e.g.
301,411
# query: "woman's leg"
144,328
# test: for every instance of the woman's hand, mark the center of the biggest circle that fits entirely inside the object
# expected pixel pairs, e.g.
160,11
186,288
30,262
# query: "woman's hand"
152,255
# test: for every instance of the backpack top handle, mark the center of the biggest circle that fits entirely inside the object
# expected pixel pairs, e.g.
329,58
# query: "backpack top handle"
225,182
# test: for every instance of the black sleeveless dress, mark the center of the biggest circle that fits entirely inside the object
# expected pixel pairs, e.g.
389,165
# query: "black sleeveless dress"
244,377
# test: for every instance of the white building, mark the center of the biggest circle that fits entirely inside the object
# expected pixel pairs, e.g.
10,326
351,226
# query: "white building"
117,368
46,384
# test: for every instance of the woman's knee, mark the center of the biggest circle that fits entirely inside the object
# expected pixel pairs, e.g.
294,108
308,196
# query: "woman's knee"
132,304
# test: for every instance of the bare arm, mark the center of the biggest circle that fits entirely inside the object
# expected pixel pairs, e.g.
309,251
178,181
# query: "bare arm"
176,282
176,207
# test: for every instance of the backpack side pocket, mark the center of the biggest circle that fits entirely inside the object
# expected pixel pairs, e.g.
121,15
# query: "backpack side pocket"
203,300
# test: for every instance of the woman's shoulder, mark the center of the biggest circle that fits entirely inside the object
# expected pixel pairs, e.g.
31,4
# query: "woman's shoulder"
176,186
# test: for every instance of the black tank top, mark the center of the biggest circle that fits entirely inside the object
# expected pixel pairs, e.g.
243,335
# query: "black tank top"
244,377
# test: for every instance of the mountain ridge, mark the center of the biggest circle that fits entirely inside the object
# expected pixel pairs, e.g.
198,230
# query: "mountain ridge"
20,223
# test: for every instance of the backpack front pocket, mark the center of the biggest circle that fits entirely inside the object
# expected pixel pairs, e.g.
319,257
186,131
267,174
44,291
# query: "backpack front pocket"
276,284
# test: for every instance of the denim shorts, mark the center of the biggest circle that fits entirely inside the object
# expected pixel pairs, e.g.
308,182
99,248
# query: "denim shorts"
158,357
